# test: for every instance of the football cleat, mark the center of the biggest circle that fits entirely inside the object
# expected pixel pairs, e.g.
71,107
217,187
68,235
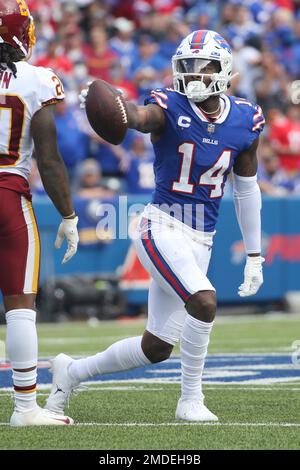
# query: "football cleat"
193,410
62,384
39,417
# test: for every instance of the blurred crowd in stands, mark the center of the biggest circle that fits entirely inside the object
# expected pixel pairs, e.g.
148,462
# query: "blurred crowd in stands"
130,44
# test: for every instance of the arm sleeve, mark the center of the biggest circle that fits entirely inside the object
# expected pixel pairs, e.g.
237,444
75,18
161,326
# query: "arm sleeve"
247,201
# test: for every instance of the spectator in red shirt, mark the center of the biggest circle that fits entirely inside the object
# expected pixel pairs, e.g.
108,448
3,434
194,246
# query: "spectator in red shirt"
117,79
99,56
47,6
55,59
286,4
284,134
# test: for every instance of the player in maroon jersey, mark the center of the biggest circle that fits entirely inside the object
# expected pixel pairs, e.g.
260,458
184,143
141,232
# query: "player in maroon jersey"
27,98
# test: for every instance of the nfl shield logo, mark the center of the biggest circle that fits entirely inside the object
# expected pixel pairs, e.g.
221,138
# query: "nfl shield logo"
211,128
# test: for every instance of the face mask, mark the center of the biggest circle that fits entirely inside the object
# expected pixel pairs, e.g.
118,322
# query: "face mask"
194,89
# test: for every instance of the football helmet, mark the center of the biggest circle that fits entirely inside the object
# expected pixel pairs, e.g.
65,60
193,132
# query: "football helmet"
194,53
16,26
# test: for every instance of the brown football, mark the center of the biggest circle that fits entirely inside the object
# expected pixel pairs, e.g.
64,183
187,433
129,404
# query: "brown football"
106,112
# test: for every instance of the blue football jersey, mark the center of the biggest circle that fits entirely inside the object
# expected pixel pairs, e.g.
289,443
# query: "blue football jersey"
194,155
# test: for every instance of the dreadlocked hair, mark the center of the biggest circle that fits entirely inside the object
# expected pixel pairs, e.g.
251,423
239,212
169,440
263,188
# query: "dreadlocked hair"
8,57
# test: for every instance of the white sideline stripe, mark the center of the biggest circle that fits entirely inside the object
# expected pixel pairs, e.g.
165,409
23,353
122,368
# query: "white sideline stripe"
219,356
211,370
280,351
7,392
190,424
257,350
176,380
258,353
263,385
99,389
144,425
252,318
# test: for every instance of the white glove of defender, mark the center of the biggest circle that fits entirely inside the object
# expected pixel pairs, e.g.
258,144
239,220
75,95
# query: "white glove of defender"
253,276
68,229
83,95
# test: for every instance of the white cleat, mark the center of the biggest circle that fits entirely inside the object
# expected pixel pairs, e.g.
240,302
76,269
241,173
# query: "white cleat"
39,417
193,410
62,384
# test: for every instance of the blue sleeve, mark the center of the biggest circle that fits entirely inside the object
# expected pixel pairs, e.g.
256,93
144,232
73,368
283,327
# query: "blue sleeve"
158,97
256,123
249,119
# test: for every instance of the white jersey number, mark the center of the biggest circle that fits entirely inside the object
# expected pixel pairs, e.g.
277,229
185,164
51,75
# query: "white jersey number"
186,151
12,116
214,176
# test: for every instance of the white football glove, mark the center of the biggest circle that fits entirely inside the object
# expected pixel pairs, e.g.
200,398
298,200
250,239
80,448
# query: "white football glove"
253,276
68,229
83,95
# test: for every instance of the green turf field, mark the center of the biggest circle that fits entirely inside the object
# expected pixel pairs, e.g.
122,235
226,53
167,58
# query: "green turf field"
140,415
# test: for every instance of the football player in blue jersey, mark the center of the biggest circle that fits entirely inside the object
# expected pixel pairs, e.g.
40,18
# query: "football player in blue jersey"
199,135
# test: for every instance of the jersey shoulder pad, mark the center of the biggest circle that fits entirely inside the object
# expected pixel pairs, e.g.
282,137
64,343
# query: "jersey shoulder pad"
160,97
50,87
254,117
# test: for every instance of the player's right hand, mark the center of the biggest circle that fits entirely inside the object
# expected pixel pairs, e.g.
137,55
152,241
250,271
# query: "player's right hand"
68,230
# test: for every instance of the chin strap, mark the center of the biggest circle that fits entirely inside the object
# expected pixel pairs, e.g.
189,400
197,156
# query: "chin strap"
28,57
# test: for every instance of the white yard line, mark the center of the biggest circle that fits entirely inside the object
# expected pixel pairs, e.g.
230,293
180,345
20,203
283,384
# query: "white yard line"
190,424
252,317
172,424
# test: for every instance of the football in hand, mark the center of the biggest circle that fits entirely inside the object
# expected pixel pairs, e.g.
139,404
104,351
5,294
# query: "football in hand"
106,112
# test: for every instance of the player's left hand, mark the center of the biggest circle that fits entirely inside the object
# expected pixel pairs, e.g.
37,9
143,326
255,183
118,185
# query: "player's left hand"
253,276
83,95
68,230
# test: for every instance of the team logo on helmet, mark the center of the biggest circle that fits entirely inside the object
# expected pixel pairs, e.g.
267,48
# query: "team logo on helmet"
224,44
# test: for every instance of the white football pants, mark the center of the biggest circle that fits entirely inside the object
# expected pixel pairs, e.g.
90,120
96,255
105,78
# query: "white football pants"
177,257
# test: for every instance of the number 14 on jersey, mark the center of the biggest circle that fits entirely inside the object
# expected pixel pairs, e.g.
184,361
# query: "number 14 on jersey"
214,176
